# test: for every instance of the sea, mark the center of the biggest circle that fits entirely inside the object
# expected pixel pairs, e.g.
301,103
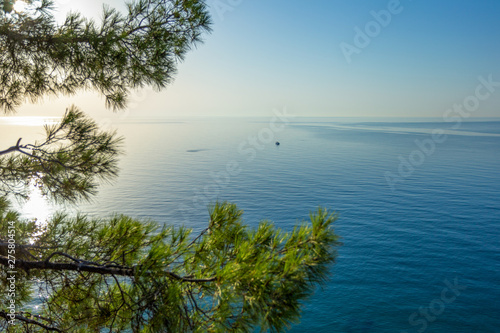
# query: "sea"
418,202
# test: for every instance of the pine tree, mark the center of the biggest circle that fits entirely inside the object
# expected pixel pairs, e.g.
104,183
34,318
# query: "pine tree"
38,57
122,274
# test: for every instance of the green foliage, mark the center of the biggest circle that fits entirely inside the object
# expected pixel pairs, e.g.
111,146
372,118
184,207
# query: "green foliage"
228,278
23,232
122,274
68,165
40,58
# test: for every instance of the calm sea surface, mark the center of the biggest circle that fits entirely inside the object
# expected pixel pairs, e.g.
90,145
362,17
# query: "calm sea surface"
419,206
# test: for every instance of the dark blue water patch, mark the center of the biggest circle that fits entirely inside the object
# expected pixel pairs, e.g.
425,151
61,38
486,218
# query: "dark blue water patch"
196,150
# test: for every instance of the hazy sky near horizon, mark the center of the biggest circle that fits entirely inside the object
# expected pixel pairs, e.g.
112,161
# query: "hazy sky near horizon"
340,58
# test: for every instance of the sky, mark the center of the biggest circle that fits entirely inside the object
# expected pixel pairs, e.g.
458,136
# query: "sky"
318,58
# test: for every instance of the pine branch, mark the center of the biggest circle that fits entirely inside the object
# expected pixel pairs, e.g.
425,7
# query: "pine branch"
123,52
4,315
11,149
85,266
68,164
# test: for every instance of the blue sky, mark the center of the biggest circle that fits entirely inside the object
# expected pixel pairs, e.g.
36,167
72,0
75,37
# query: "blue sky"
288,53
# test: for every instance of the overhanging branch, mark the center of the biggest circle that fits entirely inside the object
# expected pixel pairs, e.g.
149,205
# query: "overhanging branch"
78,267
12,149
4,314
82,266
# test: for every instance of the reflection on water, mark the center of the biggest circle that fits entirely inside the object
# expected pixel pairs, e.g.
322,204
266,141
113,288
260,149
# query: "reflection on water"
29,129
28,121
38,206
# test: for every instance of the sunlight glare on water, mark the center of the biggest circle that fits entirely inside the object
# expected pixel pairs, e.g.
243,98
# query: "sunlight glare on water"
19,6
30,121
38,206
